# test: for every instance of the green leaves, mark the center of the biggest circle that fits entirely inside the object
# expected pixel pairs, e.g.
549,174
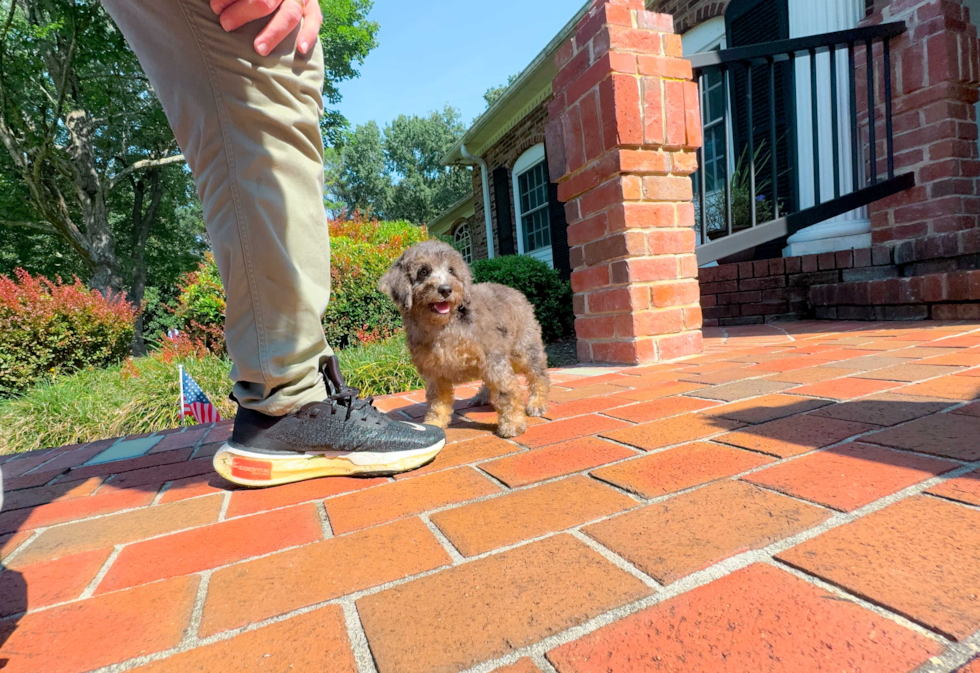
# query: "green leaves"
396,174
547,292
347,37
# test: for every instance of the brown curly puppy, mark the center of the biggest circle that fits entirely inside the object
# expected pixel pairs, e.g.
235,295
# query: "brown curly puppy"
459,332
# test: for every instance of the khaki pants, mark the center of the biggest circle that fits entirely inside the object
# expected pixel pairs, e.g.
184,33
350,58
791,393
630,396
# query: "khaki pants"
249,128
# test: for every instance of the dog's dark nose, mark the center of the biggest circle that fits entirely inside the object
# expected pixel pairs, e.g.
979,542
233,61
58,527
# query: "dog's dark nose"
445,290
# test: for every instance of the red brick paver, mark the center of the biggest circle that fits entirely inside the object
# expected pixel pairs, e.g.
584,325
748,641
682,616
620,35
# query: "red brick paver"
211,546
405,498
920,558
965,488
48,582
122,528
555,460
100,631
792,436
850,476
522,515
270,586
950,435
316,641
682,535
757,619
679,468
492,606
678,474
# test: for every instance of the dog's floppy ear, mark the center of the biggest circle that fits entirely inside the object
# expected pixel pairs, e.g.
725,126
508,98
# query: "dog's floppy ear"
395,284
462,270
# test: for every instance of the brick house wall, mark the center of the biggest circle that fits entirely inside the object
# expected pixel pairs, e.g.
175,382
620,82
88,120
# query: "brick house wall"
936,72
526,134
689,13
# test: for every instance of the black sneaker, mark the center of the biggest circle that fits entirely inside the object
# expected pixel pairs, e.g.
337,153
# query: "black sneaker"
341,436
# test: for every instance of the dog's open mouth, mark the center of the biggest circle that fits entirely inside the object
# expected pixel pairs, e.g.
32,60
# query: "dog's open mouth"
440,307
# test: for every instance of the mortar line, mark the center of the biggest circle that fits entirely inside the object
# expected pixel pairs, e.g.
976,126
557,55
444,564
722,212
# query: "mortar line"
451,550
844,593
358,638
159,495
225,503
89,590
616,559
955,656
325,526
194,624
36,533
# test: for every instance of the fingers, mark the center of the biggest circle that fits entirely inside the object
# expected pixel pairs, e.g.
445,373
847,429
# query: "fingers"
218,6
312,18
287,15
237,14
282,24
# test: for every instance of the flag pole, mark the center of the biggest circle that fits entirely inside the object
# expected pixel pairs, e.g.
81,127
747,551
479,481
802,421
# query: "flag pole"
180,383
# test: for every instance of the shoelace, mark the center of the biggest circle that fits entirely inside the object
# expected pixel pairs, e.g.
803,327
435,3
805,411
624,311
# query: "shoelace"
349,398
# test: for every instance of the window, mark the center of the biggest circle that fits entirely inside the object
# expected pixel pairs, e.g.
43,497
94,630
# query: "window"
531,205
534,208
715,123
462,242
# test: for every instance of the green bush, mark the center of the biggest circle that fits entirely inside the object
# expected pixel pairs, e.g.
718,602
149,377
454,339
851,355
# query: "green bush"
52,328
360,252
200,309
550,295
141,394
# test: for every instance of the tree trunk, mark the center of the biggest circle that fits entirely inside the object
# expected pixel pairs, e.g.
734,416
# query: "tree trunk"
142,222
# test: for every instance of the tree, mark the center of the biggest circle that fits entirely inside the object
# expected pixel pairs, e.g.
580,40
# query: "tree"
78,122
347,38
89,160
495,92
396,174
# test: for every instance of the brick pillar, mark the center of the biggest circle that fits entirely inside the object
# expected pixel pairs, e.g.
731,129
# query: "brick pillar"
624,124
936,70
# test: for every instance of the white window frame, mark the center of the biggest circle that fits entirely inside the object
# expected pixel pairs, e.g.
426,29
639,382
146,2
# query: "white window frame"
706,36
528,160
461,227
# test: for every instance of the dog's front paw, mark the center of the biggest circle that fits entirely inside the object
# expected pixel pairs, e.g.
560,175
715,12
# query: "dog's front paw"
507,429
537,410
438,420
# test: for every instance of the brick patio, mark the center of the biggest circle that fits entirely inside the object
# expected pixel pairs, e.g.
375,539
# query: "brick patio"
800,497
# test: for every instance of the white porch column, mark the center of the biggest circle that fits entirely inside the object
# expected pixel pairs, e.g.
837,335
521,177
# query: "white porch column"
853,229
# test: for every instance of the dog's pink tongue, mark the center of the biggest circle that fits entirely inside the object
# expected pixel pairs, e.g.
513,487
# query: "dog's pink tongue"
441,307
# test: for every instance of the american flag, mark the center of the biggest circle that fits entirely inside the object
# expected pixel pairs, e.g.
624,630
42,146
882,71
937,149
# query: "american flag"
194,402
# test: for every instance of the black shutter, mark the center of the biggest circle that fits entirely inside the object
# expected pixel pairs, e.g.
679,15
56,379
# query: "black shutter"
559,233
754,22
505,223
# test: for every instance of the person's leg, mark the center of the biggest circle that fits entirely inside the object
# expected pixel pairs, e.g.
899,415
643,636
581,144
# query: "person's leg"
249,128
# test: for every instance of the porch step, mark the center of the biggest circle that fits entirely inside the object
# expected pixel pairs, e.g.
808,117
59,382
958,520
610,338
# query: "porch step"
940,296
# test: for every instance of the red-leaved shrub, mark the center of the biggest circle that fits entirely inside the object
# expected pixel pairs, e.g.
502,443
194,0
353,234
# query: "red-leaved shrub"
50,327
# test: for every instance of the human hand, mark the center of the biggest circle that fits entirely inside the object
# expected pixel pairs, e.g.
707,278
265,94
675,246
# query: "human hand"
287,15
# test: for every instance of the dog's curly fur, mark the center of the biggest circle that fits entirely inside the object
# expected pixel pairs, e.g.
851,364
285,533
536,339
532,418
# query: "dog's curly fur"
488,333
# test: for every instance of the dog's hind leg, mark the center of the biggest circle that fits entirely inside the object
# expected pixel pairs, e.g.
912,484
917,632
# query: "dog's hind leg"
439,397
539,385
507,397
534,365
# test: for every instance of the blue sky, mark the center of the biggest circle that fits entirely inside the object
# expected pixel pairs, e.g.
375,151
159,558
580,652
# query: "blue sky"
435,52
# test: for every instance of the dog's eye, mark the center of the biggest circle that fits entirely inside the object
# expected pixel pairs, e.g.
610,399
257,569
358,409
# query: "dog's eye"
452,271
423,273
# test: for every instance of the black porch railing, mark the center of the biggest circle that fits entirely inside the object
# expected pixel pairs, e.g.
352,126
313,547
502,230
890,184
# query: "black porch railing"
747,188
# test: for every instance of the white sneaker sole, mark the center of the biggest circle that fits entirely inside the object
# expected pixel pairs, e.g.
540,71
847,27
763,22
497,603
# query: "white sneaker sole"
241,466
